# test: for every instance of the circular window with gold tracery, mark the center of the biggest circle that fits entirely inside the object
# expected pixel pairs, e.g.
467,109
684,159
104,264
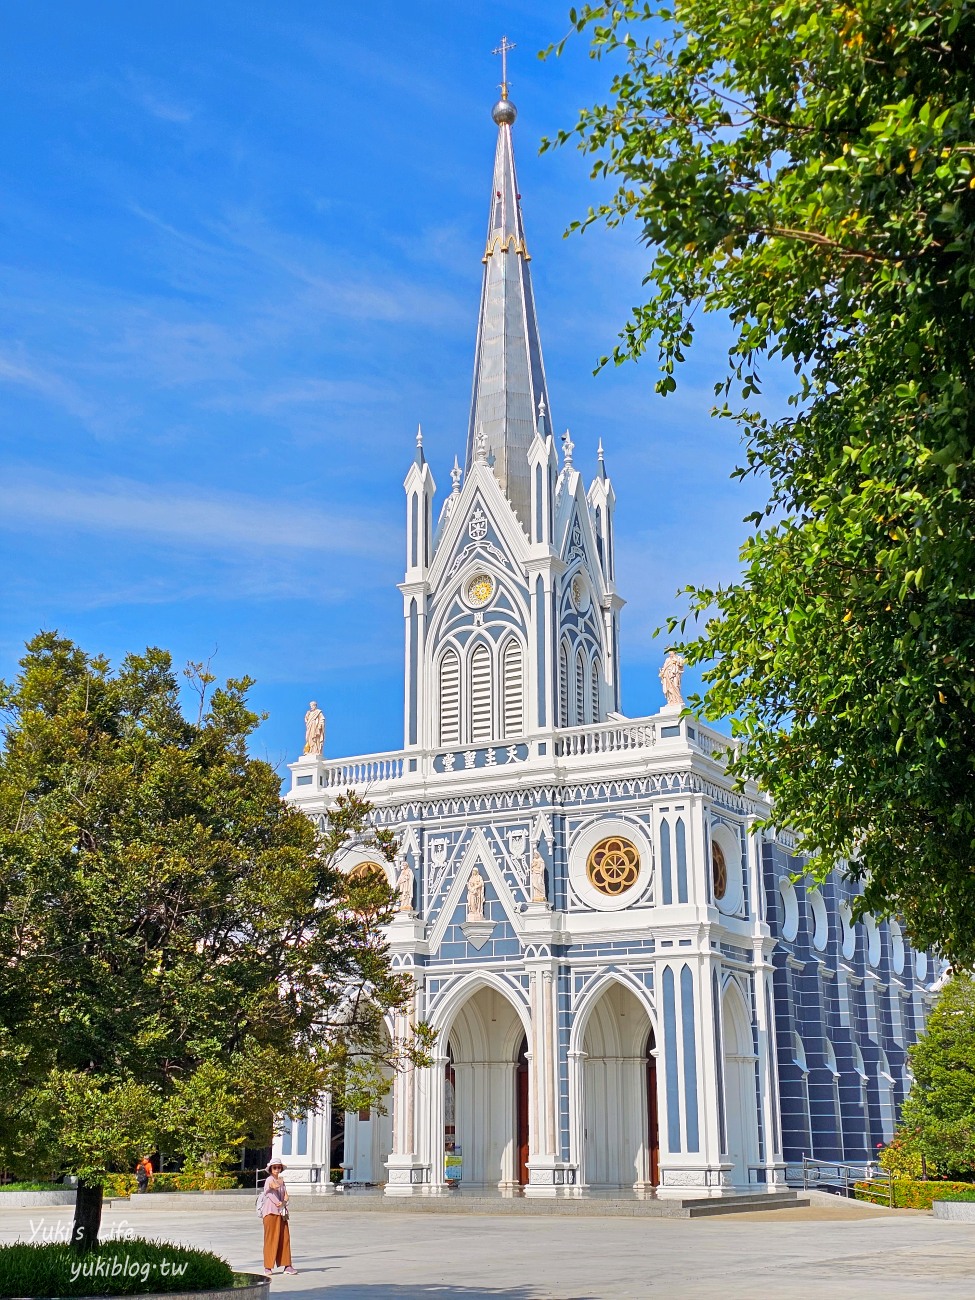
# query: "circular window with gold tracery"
368,871
480,590
613,866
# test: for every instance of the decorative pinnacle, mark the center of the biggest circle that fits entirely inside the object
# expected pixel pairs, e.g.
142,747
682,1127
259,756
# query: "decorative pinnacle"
602,459
568,447
455,476
540,422
420,458
504,112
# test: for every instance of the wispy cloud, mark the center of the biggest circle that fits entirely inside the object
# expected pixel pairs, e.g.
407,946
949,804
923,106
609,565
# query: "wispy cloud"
157,100
217,521
38,379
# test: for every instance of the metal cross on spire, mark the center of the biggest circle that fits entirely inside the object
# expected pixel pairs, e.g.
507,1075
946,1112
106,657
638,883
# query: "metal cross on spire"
503,49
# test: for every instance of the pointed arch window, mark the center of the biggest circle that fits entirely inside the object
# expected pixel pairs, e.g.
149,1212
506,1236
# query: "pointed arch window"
580,688
481,693
563,685
594,685
513,704
450,698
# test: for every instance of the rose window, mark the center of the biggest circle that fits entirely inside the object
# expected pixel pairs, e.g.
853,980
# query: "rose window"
613,866
480,589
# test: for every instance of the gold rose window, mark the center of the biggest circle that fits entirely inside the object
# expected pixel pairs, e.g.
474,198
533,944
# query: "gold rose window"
480,589
613,866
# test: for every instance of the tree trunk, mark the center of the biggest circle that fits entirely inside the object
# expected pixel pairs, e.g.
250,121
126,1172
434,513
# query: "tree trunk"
87,1218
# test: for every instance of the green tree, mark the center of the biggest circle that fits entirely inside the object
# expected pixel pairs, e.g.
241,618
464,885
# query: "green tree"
938,1116
180,957
808,172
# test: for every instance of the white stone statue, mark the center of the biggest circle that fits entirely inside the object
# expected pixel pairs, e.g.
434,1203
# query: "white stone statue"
314,730
404,883
475,896
670,675
537,876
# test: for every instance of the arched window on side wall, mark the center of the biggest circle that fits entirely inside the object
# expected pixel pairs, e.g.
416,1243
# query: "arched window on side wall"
481,694
580,688
595,691
450,698
514,692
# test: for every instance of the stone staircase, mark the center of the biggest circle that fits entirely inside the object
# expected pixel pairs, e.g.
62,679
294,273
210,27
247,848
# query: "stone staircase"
367,1202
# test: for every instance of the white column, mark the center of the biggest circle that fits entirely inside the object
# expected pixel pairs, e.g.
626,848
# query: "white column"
577,1114
431,1087
405,1167
546,1170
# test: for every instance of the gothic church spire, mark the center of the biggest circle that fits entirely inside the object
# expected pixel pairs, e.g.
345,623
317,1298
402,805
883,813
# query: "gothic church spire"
509,377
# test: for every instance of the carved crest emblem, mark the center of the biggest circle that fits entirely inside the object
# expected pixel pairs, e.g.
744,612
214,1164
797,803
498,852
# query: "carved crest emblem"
478,526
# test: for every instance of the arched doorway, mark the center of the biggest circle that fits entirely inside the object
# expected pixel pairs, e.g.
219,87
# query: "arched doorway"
739,1083
619,1094
486,1046
367,1139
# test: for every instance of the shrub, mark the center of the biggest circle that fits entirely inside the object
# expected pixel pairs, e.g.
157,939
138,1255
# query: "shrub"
912,1194
125,1184
114,1268
901,1157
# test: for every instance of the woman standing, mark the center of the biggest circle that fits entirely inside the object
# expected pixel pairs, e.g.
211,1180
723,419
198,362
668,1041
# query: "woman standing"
274,1213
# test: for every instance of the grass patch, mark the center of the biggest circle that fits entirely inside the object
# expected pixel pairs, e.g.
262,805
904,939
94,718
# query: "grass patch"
957,1196
116,1268
36,1187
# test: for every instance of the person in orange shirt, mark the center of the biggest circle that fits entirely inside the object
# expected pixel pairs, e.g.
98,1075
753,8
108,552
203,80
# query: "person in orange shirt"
144,1173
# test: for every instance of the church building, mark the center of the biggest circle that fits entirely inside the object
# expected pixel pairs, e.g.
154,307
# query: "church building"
633,989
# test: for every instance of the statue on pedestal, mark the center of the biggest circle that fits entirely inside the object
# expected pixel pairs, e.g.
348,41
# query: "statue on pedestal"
404,884
537,878
314,730
475,896
670,675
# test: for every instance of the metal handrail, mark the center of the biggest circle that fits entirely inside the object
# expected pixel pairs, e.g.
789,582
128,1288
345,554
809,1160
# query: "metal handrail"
849,1176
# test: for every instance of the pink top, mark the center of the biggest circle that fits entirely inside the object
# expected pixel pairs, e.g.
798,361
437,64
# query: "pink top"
275,1195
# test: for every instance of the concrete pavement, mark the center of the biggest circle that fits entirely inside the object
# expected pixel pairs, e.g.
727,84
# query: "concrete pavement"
828,1252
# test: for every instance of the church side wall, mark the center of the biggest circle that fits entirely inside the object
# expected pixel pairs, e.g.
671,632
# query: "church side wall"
849,1000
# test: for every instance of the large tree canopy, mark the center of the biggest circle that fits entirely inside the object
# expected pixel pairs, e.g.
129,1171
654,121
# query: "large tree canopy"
180,957
809,172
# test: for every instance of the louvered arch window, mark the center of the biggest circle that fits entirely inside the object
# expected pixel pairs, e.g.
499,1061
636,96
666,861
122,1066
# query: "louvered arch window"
481,693
512,672
450,698
595,691
580,688
563,685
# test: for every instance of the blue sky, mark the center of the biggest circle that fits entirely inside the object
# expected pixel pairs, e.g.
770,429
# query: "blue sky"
241,261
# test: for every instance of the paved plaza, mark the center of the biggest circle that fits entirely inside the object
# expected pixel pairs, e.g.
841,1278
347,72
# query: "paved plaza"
351,1256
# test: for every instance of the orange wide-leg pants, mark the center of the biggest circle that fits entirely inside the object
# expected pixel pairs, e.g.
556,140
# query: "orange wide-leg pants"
277,1242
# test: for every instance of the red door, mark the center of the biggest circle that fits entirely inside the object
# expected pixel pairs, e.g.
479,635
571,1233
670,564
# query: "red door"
653,1130
521,1112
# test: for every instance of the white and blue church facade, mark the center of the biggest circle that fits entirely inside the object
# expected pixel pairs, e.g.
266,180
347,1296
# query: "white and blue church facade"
630,990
